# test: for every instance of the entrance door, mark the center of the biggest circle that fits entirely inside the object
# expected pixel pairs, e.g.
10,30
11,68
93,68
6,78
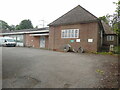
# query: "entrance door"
42,42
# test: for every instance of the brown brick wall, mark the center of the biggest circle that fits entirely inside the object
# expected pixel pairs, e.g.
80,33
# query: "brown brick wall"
46,42
87,31
34,41
51,37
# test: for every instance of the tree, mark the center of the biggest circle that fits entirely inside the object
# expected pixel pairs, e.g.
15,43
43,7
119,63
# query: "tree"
116,20
106,18
4,25
24,24
17,27
12,27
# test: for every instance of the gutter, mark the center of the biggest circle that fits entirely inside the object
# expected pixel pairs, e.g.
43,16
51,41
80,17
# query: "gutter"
26,32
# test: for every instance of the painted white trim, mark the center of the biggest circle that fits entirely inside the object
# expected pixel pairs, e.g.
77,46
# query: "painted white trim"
39,34
24,32
70,33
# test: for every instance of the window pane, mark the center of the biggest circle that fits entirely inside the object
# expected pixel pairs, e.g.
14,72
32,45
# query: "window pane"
110,38
69,33
72,33
65,33
107,38
62,33
76,33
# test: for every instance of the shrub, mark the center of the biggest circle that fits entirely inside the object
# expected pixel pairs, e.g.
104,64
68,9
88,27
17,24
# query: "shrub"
117,50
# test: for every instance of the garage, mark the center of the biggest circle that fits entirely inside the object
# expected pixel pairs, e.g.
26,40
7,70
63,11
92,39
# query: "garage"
19,39
37,37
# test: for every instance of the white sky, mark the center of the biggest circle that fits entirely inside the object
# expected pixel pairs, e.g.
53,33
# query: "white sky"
14,11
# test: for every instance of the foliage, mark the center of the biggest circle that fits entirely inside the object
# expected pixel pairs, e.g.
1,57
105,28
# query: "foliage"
104,53
17,27
25,24
100,71
116,19
117,49
116,25
12,27
4,25
106,19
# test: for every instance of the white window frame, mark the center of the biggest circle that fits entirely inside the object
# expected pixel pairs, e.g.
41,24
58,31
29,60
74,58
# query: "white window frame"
70,33
110,38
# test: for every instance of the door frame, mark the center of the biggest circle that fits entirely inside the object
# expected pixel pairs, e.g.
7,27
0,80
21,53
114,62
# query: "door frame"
43,42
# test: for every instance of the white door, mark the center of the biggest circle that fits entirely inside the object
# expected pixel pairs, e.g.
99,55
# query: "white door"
42,42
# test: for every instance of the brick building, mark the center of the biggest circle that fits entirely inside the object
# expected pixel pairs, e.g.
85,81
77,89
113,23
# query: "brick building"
79,28
37,38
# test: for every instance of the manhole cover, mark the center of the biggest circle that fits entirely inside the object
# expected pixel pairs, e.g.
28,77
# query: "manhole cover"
25,82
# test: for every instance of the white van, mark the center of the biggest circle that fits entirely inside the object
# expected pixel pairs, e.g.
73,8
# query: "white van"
7,41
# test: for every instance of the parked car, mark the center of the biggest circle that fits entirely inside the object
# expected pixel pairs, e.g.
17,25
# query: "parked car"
7,41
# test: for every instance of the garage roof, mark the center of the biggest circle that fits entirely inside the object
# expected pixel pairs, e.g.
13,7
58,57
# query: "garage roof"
38,30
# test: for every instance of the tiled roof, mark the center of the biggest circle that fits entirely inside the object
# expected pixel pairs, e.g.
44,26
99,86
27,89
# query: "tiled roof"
107,28
76,15
24,30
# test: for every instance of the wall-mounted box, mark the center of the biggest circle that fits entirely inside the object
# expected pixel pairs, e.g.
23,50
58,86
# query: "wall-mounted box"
90,40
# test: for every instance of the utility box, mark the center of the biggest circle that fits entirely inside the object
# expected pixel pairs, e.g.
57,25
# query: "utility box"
111,49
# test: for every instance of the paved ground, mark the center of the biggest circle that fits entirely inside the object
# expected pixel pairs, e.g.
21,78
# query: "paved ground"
36,68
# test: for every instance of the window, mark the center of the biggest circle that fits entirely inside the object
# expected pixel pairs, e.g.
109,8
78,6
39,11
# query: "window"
110,38
76,33
62,33
70,33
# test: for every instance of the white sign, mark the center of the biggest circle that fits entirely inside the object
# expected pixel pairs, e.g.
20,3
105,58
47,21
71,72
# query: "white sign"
77,40
90,40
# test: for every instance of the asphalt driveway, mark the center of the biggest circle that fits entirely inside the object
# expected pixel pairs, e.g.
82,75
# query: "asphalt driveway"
36,68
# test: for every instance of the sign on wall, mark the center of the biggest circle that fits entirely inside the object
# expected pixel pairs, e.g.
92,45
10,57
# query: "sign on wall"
72,41
77,40
90,40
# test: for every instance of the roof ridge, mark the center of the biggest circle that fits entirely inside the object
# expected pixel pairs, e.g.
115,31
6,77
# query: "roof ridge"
88,11
63,15
72,10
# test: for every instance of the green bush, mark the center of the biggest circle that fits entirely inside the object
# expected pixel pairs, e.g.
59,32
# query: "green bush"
103,53
117,49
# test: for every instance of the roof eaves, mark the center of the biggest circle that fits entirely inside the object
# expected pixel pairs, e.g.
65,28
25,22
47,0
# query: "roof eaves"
82,22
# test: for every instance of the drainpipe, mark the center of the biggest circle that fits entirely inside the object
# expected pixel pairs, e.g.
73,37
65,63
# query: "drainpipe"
54,40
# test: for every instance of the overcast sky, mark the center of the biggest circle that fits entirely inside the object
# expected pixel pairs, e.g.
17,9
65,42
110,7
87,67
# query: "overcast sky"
14,11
